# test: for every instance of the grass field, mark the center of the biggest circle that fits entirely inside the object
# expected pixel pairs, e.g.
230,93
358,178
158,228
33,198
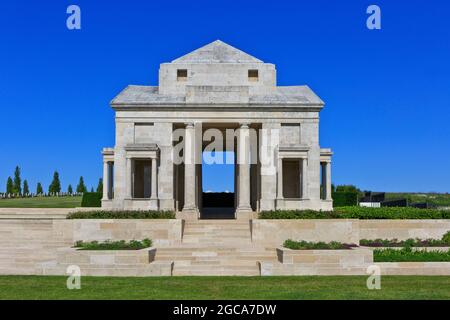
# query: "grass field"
166,288
41,202
435,199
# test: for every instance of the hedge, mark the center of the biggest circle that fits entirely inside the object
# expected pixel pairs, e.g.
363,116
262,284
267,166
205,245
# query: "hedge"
358,213
408,255
305,245
344,199
113,245
116,214
91,199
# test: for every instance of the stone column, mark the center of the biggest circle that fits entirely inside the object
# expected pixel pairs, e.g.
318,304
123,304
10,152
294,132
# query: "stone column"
105,180
280,179
154,187
190,206
243,153
129,178
328,180
304,167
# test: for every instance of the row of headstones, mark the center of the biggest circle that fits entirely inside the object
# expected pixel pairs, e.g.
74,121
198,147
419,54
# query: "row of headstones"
32,195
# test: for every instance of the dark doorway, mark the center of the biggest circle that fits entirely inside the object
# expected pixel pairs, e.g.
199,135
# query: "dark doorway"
218,185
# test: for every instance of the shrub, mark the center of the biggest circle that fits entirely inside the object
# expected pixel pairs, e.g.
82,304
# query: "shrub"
392,213
114,245
343,199
116,214
408,255
298,214
91,199
403,243
446,238
305,245
358,213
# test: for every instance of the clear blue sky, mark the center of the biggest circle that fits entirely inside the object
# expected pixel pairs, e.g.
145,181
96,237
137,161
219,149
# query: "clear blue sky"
387,92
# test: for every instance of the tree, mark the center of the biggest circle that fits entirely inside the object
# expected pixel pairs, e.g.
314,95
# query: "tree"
9,186
69,189
81,188
17,188
347,188
55,186
100,186
92,189
39,189
26,190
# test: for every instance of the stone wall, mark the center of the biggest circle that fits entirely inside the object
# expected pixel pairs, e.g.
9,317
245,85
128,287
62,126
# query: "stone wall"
403,229
161,232
109,263
275,232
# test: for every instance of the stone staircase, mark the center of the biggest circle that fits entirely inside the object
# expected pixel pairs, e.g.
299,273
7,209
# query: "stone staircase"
25,244
216,247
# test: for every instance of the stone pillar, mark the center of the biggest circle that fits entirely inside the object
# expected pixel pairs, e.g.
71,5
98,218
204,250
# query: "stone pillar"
280,179
268,141
190,207
105,180
328,180
243,153
304,181
129,178
154,187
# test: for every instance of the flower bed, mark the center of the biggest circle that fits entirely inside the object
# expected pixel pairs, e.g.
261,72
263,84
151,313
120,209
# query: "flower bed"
359,213
408,255
305,245
121,214
113,245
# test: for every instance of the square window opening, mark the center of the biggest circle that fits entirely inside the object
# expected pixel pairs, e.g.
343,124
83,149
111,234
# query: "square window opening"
181,74
253,75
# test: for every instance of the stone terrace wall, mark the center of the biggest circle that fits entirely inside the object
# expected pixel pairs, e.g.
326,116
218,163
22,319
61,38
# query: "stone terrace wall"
162,232
275,232
403,229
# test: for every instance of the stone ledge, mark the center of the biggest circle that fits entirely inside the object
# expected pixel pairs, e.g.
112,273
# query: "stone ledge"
109,263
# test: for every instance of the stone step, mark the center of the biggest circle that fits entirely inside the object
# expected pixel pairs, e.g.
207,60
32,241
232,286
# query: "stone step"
215,270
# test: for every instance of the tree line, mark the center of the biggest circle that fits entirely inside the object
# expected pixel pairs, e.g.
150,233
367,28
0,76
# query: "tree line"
15,186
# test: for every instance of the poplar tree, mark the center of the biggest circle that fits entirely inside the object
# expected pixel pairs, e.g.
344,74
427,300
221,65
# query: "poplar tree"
39,189
17,188
81,188
55,186
100,186
26,190
9,186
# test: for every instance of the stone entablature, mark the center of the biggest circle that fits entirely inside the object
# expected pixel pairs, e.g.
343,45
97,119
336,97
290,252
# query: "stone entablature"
217,87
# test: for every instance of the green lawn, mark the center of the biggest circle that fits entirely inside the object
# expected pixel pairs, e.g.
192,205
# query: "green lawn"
41,202
166,288
437,199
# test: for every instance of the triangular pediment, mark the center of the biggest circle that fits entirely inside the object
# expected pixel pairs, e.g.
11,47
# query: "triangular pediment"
217,52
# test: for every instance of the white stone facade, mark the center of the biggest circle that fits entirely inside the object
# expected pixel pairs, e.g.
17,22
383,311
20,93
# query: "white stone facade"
217,88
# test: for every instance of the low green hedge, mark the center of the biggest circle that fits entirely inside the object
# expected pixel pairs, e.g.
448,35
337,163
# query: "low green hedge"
305,245
116,214
91,199
113,245
358,213
408,255
344,199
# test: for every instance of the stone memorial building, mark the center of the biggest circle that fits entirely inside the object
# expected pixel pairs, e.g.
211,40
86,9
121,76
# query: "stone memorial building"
217,91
